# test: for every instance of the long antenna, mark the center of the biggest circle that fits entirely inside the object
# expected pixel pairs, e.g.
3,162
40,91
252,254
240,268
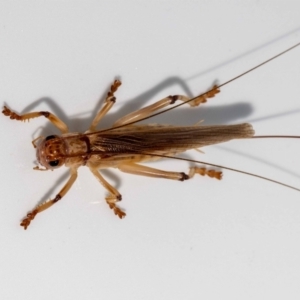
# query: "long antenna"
214,88
276,136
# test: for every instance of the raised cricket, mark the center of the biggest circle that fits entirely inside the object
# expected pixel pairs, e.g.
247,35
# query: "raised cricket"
125,145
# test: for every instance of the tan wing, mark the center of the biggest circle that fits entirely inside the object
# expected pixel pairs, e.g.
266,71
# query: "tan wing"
153,139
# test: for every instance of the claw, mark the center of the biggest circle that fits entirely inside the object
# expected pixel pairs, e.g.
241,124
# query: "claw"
7,112
121,214
30,216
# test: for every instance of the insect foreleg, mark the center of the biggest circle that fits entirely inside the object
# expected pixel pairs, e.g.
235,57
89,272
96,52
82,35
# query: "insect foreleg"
109,102
30,216
52,118
113,197
149,110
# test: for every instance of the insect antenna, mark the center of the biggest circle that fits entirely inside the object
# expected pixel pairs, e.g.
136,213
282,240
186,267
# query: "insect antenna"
276,136
211,90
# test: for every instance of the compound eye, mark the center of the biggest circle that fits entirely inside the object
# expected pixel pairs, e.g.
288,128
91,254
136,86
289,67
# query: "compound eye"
50,137
54,163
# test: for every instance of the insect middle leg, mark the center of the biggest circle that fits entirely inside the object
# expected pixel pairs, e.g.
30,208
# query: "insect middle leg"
109,102
149,110
113,197
31,215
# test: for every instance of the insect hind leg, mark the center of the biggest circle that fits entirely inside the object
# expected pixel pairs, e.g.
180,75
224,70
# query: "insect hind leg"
137,169
149,110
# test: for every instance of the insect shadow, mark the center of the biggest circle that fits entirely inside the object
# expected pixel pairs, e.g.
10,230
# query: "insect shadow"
221,114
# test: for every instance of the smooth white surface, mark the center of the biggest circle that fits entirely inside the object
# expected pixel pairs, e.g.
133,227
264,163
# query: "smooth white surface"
201,239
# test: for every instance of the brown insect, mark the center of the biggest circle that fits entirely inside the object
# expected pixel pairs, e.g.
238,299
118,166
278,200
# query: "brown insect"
125,145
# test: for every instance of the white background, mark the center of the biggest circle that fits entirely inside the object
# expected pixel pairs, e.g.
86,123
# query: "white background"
201,239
